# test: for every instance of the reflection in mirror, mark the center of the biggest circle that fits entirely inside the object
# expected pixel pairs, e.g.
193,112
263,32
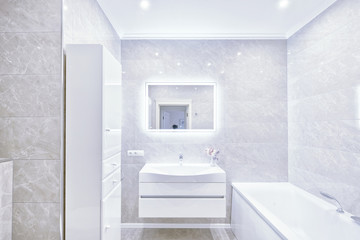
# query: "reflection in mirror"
180,106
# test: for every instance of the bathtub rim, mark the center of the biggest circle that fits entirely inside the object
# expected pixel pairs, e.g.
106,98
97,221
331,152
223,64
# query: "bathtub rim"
275,224
266,215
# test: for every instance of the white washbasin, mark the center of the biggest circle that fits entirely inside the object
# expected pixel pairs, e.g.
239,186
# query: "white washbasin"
152,172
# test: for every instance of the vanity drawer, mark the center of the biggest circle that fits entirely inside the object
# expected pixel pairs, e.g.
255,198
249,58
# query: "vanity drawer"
110,164
182,189
182,207
112,142
110,182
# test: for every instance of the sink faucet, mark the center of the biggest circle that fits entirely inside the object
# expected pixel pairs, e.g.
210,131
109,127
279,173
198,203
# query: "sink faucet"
339,209
181,158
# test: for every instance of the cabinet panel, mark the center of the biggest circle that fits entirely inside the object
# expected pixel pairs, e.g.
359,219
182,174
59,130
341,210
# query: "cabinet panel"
182,208
182,189
111,224
109,165
110,182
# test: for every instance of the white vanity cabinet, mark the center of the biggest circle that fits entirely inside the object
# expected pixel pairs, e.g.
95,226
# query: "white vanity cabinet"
93,144
182,191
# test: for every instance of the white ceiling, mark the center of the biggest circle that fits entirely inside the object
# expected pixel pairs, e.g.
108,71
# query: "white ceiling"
230,19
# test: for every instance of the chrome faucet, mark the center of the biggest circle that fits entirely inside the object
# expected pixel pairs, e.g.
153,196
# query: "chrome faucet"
339,209
181,158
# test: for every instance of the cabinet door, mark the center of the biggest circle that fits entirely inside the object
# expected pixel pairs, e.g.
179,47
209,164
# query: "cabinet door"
111,215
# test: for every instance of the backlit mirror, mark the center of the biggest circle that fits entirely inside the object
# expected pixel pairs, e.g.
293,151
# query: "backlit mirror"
180,106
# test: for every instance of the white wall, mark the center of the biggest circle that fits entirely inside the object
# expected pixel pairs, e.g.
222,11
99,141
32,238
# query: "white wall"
252,134
324,104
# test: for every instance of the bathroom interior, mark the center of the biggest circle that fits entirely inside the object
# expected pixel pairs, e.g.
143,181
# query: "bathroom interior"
266,146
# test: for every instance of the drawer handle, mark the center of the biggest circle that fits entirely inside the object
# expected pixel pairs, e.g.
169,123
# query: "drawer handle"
115,181
107,227
114,164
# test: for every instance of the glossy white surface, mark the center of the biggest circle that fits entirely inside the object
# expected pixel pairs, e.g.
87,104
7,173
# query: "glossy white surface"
211,18
182,207
90,122
182,191
181,173
295,213
246,223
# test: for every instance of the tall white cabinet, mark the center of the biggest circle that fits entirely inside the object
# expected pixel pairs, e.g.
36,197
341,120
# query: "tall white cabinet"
93,144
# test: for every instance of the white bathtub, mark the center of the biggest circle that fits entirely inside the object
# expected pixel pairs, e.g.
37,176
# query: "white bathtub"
267,211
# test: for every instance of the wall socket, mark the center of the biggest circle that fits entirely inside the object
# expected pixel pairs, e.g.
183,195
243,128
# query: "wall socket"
135,153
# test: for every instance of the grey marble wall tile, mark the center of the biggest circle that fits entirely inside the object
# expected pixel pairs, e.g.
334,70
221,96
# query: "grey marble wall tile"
336,105
30,138
6,183
252,108
349,133
257,132
255,111
36,181
321,161
335,17
36,221
348,195
29,95
30,53
324,134
324,102
30,16
85,22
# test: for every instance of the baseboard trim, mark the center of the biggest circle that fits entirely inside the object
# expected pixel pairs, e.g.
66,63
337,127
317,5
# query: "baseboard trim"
175,225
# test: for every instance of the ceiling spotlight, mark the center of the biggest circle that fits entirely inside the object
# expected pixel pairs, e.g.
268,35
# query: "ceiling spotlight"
283,3
144,4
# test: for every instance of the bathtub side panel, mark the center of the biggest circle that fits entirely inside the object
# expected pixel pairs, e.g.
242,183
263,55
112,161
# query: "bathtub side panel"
247,224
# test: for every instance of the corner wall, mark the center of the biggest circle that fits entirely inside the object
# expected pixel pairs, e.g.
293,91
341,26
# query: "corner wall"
324,104
85,22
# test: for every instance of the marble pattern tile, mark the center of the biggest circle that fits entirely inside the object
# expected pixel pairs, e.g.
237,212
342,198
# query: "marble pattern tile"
177,234
6,183
252,121
30,16
38,221
323,109
85,22
36,181
30,138
29,95
30,53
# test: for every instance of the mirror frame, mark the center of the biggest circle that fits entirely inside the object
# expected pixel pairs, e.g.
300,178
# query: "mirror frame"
148,84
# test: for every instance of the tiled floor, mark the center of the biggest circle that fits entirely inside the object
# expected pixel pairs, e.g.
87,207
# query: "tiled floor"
177,234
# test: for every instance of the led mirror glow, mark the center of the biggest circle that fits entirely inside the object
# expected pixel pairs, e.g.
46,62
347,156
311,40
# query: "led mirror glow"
180,107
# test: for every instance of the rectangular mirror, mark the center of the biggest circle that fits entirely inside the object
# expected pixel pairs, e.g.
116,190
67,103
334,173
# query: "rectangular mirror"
180,106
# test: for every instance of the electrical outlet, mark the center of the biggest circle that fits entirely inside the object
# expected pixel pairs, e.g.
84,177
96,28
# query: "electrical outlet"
135,153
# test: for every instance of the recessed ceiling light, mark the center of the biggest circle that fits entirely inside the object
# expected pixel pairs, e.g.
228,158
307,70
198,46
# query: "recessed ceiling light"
145,4
65,8
239,53
156,54
283,3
